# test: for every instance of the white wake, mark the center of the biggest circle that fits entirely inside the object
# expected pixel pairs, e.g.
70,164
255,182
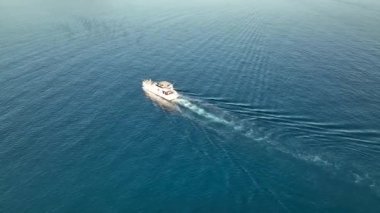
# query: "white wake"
213,115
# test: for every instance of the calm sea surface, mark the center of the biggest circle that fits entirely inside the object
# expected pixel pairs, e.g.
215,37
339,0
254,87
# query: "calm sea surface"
280,109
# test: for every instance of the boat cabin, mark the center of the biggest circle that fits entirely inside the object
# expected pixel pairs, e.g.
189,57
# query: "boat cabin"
165,85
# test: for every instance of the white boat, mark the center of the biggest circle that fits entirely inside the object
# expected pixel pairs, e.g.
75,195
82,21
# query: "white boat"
162,89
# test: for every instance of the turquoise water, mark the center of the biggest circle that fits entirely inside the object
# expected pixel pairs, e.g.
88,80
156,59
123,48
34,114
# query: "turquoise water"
280,107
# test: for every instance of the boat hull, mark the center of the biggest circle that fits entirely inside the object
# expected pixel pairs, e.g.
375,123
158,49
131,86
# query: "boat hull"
164,104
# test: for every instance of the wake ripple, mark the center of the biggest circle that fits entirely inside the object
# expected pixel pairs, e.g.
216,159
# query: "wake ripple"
202,112
210,115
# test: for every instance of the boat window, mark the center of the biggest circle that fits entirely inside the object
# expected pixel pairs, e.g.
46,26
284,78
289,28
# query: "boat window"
168,92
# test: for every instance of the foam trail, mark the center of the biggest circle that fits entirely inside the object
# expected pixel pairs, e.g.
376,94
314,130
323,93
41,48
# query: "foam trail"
202,112
219,117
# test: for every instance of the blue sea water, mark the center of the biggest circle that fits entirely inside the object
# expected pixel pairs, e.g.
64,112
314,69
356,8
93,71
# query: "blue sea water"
280,107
